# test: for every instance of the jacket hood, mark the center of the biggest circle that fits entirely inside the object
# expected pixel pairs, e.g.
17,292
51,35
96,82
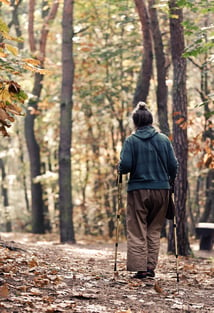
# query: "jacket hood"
145,132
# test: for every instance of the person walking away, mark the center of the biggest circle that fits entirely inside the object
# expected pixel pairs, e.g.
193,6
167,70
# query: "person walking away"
149,158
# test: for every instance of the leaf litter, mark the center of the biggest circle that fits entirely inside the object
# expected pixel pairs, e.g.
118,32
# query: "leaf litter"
45,277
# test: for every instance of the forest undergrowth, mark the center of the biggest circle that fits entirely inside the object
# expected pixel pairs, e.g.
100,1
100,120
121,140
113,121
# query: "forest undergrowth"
40,275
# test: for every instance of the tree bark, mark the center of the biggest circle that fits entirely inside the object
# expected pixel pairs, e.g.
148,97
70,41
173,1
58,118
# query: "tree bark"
32,41
38,225
37,205
208,214
15,20
179,125
23,171
208,134
143,83
4,191
162,91
65,188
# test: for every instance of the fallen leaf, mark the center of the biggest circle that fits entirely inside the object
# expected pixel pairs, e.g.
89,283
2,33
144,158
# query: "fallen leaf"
32,263
158,288
4,291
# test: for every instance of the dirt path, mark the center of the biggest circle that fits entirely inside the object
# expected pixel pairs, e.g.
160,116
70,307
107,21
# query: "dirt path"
43,276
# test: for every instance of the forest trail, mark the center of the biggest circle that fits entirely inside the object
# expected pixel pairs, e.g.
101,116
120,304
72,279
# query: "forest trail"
42,276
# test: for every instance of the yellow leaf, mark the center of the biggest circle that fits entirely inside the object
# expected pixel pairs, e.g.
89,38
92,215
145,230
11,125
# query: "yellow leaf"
3,25
5,35
29,68
32,61
36,70
43,71
3,55
176,16
5,95
12,49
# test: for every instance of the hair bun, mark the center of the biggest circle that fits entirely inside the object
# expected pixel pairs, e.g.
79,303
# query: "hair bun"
142,106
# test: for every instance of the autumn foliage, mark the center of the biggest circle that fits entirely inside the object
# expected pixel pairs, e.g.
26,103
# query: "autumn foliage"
11,96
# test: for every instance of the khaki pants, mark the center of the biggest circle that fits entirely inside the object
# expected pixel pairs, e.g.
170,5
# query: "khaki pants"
146,210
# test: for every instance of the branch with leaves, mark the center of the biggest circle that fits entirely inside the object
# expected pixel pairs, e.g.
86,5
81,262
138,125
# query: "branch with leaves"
11,95
11,64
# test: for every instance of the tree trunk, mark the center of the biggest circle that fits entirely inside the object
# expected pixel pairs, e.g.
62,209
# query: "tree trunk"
145,74
65,188
15,20
208,134
23,171
161,92
37,205
208,214
8,226
34,156
48,14
179,125
38,225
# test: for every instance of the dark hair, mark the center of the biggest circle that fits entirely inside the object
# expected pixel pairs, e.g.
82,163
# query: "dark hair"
141,115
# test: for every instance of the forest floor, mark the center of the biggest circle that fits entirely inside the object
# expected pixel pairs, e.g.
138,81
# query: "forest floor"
39,275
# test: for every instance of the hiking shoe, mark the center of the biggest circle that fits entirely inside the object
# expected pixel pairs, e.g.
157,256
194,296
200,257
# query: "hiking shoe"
140,275
150,273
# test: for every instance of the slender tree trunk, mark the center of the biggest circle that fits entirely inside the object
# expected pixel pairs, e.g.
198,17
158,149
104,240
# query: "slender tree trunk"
34,156
208,214
8,226
161,92
65,188
23,171
15,20
145,74
208,134
38,225
179,124
37,205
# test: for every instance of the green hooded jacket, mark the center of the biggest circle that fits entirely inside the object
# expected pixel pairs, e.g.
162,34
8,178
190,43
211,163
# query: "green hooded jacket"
149,158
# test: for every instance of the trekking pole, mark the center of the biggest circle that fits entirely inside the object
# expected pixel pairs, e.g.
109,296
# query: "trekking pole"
176,245
176,248
119,185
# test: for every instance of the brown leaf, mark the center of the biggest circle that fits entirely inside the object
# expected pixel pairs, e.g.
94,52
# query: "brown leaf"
14,87
41,282
23,288
32,263
4,291
13,109
158,288
4,131
4,116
